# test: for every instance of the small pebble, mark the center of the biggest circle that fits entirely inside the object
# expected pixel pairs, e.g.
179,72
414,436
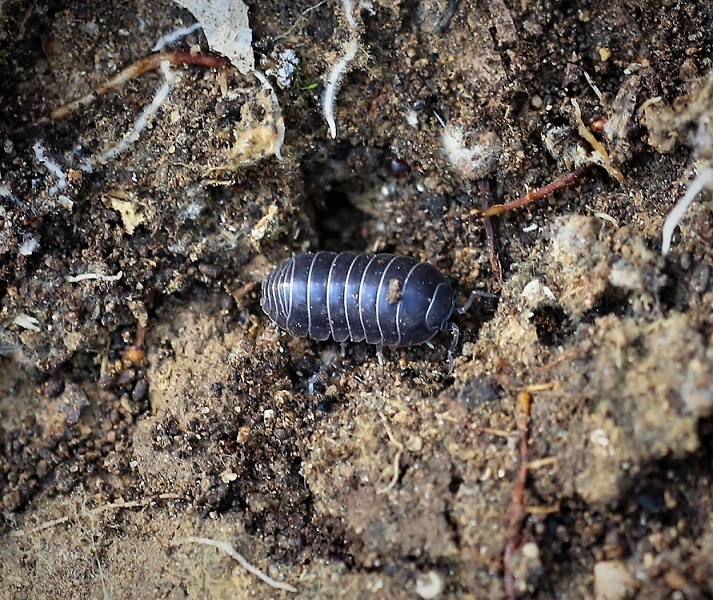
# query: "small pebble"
429,585
141,391
700,277
613,581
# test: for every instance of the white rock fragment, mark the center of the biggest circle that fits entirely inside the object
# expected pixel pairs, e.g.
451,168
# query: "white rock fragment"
535,292
613,581
285,64
30,243
429,585
412,118
599,437
27,322
65,202
131,216
228,477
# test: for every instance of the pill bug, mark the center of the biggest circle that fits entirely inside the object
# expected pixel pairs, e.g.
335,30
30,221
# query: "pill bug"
382,299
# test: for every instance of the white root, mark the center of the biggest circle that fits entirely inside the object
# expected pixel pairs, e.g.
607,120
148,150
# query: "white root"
174,36
678,211
52,167
141,121
334,82
233,553
90,276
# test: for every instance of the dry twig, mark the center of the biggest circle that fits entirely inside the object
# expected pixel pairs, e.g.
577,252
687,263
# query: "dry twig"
517,505
490,235
551,188
517,510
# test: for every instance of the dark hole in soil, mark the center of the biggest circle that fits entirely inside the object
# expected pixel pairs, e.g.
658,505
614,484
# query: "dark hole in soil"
332,181
650,498
612,302
340,225
552,325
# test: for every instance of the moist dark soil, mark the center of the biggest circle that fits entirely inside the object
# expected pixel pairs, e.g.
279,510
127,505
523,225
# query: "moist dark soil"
145,398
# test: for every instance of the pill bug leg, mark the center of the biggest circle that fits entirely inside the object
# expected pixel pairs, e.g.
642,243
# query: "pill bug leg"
314,381
454,328
380,354
455,332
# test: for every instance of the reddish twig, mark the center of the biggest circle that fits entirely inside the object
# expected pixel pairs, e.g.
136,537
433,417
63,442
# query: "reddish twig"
557,184
517,504
140,341
136,69
517,509
136,353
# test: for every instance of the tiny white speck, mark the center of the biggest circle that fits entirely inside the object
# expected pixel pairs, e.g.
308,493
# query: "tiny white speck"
412,118
29,245
530,228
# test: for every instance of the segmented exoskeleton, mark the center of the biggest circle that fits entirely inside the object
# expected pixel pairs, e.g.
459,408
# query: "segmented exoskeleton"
383,299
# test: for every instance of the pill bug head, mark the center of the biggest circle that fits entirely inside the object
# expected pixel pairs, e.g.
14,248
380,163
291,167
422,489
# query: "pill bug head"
427,303
441,308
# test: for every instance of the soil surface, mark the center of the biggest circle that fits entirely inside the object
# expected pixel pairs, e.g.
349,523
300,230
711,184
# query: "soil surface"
145,399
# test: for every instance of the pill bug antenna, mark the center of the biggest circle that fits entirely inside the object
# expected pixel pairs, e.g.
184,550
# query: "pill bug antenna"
471,298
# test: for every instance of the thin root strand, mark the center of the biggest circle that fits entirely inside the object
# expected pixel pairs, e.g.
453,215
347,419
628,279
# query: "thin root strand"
240,559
